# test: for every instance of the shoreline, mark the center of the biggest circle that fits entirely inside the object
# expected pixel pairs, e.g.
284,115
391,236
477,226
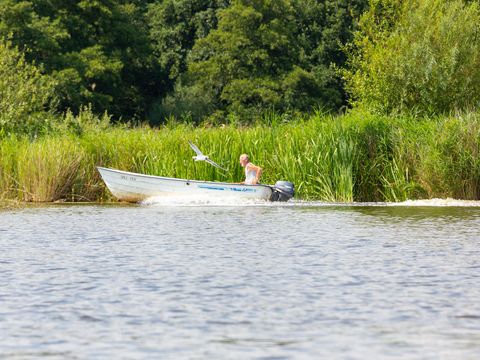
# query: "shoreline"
9,205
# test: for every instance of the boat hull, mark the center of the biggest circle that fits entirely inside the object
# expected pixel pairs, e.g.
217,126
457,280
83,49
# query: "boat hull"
133,187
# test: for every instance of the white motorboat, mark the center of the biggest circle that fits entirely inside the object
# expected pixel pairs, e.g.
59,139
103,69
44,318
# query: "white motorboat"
133,187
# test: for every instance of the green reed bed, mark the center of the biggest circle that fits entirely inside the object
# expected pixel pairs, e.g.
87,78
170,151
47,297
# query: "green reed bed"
356,157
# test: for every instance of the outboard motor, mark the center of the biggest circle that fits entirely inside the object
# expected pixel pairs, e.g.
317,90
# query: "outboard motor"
282,191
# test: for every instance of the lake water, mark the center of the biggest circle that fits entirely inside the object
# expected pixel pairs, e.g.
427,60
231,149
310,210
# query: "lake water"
240,281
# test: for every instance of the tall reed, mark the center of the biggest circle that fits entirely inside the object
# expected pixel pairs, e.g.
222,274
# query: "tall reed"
8,168
47,169
355,157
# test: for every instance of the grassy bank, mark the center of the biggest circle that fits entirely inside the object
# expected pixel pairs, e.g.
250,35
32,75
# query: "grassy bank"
356,157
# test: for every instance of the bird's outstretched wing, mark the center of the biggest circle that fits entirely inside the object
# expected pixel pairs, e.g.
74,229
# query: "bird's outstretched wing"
195,148
211,162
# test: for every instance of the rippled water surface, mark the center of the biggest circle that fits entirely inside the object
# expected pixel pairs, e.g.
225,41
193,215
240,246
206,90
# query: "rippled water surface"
298,281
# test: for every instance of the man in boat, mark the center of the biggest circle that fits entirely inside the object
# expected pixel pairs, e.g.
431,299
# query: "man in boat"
252,172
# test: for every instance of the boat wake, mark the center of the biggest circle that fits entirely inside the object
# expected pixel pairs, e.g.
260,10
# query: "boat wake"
199,200
438,203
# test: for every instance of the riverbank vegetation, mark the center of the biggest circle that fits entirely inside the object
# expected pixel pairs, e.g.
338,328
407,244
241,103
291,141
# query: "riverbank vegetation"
355,157
351,100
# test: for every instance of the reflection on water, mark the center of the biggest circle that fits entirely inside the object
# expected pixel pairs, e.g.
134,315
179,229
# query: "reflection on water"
256,281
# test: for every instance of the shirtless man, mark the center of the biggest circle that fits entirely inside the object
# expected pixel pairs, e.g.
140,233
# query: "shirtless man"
252,172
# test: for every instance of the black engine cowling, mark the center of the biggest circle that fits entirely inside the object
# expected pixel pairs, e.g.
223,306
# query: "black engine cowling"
282,191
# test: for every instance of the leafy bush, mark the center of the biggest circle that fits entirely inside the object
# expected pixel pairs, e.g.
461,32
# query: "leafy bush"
25,94
416,55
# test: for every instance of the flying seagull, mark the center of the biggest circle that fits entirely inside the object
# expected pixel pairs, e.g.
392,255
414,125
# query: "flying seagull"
201,157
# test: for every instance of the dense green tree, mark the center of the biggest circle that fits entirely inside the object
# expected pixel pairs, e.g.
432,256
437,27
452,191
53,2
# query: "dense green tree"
323,27
210,56
39,35
98,50
240,64
25,93
175,25
267,55
417,55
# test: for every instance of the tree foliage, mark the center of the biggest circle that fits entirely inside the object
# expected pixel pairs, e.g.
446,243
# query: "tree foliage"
98,50
196,57
240,64
420,55
175,25
266,55
25,94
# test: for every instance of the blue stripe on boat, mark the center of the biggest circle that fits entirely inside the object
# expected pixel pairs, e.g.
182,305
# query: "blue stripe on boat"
209,187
